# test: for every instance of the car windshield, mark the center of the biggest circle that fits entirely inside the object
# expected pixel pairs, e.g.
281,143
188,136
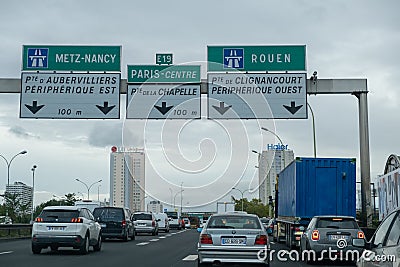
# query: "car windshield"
173,215
59,215
108,214
142,216
337,223
234,222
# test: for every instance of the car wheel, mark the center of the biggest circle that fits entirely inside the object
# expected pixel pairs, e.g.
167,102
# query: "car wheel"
202,264
53,248
97,247
126,236
36,249
133,236
84,249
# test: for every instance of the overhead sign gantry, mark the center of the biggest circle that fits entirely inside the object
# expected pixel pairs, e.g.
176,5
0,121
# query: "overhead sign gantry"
89,90
241,86
163,92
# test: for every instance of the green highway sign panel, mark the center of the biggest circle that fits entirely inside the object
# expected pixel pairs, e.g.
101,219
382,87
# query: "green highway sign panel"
164,59
70,95
256,58
164,74
71,58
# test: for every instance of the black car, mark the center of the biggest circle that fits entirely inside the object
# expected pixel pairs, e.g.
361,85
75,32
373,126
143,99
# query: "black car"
115,222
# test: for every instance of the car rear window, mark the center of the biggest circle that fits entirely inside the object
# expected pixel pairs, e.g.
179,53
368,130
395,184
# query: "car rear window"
108,214
142,216
337,223
234,222
61,216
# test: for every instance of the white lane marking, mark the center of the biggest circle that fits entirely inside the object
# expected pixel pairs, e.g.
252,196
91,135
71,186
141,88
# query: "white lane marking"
190,258
273,243
162,237
154,240
169,235
142,244
6,252
173,233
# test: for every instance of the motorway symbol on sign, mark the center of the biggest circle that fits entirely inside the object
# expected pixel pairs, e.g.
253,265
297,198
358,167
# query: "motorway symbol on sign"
34,107
222,108
70,95
163,109
163,101
257,96
105,108
71,58
256,58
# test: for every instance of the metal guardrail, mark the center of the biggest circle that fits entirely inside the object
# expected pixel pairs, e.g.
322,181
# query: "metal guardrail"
13,231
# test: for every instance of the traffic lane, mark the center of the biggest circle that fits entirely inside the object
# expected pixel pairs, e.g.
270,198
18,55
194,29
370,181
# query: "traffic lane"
169,249
285,260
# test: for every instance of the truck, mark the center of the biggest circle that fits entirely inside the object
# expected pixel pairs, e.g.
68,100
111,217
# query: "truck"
308,187
388,193
225,207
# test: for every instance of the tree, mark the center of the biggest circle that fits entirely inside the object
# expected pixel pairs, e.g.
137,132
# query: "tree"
69,200
255,206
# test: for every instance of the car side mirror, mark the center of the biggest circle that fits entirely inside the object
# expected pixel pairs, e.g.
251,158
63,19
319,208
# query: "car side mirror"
133,219
359,243
158,220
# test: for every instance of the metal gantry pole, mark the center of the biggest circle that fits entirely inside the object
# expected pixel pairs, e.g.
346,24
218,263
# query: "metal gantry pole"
364,159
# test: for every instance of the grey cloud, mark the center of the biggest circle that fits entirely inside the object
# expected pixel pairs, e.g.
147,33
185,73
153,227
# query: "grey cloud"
21,132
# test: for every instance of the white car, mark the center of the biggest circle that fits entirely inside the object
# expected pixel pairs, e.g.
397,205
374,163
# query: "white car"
66,226
163,222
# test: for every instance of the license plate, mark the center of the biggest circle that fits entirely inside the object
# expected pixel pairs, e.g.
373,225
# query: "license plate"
56,228
103,225
337,237
233,241
141,224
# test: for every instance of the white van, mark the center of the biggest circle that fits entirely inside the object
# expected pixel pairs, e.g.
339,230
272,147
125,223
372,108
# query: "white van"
163,222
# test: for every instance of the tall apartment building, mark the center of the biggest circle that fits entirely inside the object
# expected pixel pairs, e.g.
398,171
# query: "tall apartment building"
23,192
127,178
270,163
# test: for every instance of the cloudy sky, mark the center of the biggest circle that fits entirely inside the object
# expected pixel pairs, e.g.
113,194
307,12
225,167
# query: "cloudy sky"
344,39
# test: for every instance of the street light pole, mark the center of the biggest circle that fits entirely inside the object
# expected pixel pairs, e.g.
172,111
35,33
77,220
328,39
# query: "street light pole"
98,192
242,192
171,195
9,163
140,204
33,189
313,126
88,187
176,195
181,197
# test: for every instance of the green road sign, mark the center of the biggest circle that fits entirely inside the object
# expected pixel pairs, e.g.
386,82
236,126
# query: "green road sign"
164,74
164,59
71,58
257,58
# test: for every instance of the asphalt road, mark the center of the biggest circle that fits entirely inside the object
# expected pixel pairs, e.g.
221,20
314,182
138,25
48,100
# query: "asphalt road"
177,248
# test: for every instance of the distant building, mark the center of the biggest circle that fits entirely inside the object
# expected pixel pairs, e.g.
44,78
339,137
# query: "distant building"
127,178
270,163
24,194
155,206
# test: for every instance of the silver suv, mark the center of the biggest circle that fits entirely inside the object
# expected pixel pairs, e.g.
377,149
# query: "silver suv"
66,226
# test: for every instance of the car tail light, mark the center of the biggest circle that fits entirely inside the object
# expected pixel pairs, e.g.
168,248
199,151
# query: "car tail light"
123,223
153,223
315,235
77,220
205,239
261,240
38,219
360,234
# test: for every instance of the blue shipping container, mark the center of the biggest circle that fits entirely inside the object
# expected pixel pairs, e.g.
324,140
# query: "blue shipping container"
317,186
